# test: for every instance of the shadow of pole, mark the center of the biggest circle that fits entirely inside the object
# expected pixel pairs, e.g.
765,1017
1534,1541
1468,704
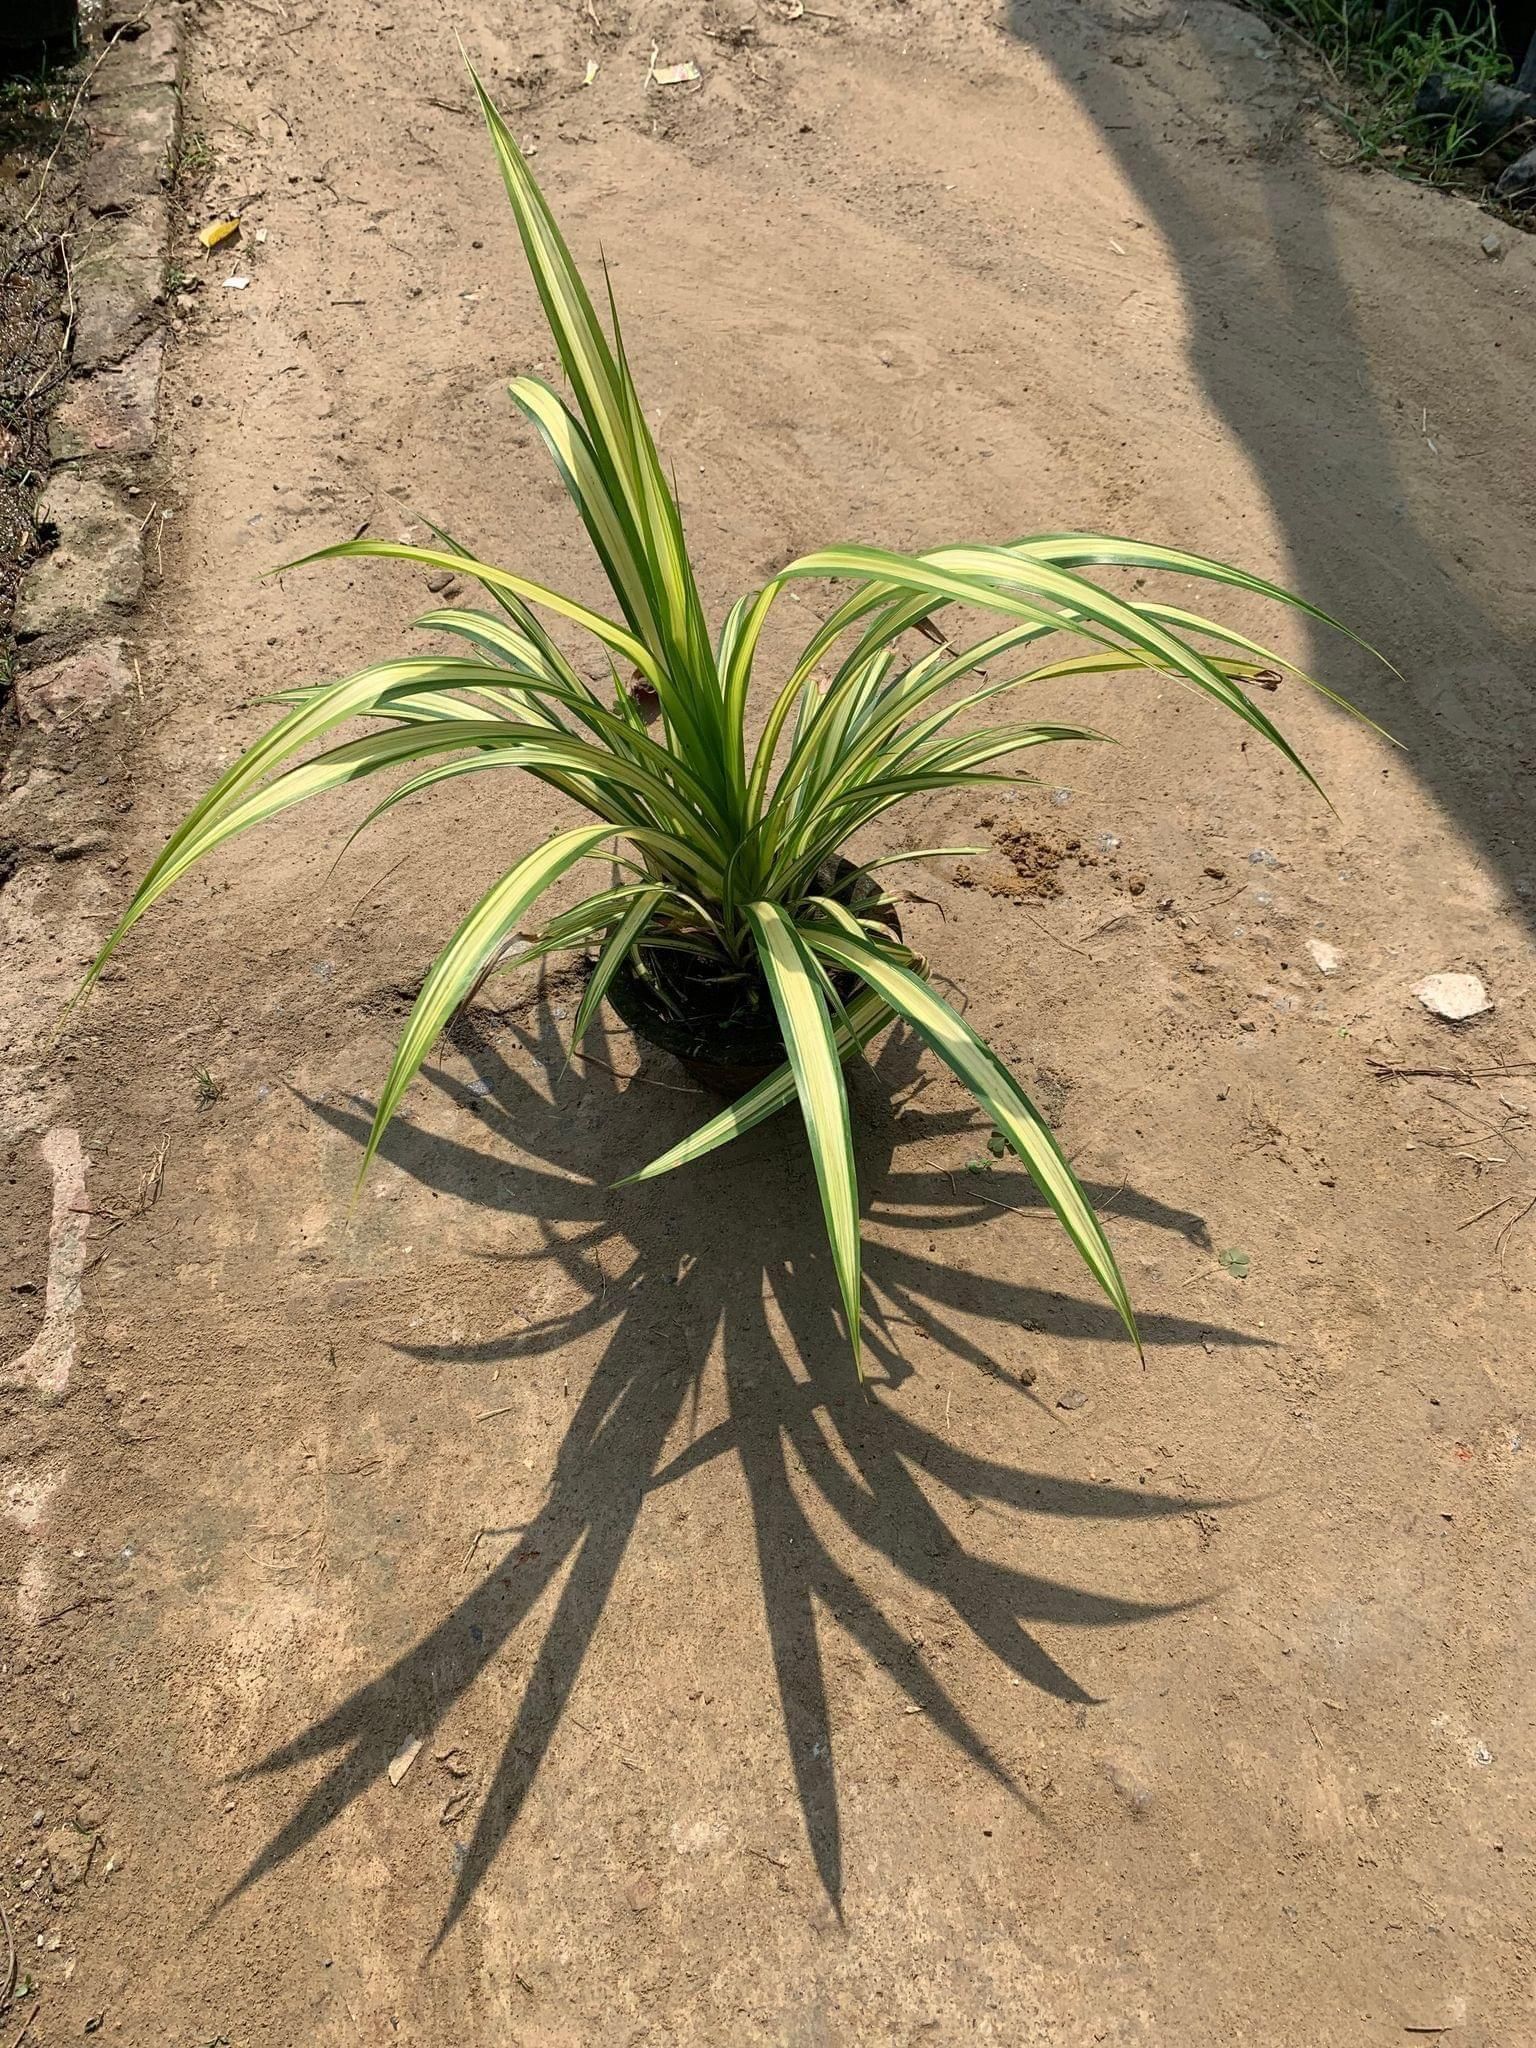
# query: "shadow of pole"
1276,341
856,1455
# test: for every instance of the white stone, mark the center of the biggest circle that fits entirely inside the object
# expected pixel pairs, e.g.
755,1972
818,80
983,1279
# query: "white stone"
1453,996
1325,958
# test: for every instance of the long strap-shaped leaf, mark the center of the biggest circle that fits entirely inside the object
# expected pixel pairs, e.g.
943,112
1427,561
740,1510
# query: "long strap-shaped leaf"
613,635
978,1066
368,692
522,615
210,825
606,519
1075,550
611,959
970,574
455,970
618,437
808,1039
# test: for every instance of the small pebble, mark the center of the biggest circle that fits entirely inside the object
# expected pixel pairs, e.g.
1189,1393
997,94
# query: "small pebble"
1073,1398
1129,1785
1325,958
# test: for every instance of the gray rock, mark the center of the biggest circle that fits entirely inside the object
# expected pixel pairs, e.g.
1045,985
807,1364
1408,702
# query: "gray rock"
79,844
96,567
1517,185
81,687
119,281
1486,113
114,412
134,134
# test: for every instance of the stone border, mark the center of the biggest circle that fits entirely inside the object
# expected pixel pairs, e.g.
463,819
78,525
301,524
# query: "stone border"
103,431
77,601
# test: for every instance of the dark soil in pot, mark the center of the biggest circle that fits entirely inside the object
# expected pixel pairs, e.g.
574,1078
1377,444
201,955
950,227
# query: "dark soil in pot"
723,1030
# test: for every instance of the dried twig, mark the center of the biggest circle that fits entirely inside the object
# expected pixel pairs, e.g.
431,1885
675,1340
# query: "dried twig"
1512,1070
1501,1242
85,1600
10,1960
152,1179
674,1087
1467,1222
1043,926
386,876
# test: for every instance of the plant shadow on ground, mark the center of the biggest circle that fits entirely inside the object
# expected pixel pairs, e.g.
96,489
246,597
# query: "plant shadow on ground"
683,1283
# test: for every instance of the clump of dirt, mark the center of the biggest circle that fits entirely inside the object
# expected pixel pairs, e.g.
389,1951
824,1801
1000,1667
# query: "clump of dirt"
1035,861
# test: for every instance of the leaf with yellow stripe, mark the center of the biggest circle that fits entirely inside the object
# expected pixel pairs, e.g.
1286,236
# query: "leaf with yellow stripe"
867,1015
974,1062
808,1039
456,969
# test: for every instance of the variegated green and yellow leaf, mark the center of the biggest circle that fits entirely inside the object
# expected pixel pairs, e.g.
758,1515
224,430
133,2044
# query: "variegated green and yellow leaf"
492,921
867,1015
801,1009
974,1062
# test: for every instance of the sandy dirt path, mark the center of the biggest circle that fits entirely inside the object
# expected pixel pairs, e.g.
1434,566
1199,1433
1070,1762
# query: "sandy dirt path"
1042,1698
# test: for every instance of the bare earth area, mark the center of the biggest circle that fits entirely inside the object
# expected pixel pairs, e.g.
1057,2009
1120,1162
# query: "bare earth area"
1039,1698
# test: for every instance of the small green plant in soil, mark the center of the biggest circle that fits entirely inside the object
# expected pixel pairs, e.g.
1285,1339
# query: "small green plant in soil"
727,902
1382,57
192,156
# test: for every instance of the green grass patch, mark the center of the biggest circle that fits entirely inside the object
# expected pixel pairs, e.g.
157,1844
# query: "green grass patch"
1380,59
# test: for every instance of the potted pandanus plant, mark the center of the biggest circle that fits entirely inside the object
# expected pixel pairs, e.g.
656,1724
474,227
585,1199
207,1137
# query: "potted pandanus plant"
730,928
